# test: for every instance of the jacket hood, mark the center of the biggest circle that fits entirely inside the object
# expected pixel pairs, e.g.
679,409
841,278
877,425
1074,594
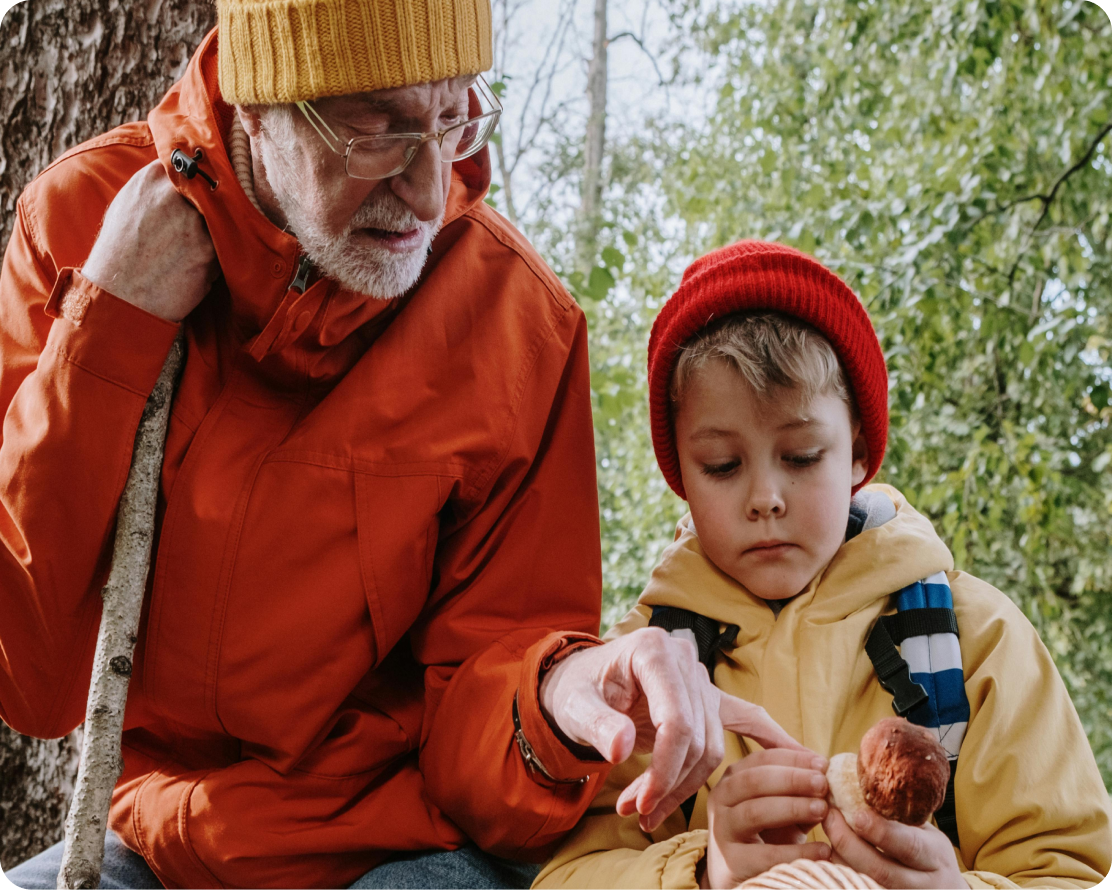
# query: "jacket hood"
867,568
258,260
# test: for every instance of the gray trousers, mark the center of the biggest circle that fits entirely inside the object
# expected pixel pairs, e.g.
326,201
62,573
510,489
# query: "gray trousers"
467,867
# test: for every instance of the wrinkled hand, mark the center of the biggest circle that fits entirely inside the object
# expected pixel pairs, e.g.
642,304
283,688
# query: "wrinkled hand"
760,812
892,854
646,692
153,249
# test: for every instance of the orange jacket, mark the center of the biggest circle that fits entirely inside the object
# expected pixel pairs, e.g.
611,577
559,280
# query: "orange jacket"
377,522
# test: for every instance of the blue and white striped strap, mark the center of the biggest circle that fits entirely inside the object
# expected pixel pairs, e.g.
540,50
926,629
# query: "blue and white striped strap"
934,660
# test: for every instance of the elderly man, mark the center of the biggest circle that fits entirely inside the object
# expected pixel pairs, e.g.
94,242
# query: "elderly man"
369,630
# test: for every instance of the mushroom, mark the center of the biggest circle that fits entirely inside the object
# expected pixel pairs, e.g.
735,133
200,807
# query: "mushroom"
900,772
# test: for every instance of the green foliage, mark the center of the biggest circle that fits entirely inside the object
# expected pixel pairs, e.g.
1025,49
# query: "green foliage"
953,161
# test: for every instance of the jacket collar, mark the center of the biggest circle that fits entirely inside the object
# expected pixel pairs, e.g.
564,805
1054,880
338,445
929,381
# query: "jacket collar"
259,261
870,567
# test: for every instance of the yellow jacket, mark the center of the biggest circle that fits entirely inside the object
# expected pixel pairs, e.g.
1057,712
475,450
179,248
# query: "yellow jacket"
1031,805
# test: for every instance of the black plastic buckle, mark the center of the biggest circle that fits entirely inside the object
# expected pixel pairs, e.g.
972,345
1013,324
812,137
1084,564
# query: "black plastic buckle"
892,671
188,166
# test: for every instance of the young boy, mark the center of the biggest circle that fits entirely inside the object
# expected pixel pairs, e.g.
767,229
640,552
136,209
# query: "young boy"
768,398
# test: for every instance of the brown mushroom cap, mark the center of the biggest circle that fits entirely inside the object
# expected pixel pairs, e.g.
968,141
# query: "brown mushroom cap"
903,771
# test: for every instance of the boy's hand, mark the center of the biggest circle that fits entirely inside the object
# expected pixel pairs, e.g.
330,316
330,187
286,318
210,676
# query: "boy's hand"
760,813
893,854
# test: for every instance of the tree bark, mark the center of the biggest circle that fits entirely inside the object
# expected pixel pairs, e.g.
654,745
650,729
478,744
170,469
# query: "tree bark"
594,146
72,69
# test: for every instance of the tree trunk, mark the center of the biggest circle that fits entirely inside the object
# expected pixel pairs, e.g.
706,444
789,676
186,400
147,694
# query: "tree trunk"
595,144
72,69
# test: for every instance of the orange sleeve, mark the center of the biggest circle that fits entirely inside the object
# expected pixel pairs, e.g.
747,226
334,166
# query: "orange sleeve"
76,366
517,582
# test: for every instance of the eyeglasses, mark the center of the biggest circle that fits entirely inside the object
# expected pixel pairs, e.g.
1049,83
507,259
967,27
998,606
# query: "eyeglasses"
386,155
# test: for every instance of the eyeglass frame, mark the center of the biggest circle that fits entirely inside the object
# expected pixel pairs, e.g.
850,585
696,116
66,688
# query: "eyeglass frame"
482,87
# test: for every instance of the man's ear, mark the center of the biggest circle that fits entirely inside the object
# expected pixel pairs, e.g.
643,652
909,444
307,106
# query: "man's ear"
250,119
860,456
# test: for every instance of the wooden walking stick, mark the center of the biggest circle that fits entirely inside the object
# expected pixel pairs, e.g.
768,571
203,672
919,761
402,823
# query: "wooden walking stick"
101,762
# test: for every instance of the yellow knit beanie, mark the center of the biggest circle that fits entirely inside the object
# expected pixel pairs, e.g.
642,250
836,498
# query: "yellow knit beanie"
276,51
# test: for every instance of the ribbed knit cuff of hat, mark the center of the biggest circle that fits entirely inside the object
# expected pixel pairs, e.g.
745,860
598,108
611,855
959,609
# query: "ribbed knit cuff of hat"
279,51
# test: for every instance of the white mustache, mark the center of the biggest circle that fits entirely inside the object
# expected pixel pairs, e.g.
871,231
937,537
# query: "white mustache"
387,213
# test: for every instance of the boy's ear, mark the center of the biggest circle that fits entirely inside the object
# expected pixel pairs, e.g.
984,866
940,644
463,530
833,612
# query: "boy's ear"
860,455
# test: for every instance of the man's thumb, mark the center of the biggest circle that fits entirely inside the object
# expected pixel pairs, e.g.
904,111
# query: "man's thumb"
752,720
610,732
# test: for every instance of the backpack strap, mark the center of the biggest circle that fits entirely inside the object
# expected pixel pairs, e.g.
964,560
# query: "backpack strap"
926,629
925,675
708,641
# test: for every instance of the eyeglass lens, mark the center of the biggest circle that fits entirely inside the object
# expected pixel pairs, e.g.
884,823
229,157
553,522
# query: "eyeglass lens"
376,157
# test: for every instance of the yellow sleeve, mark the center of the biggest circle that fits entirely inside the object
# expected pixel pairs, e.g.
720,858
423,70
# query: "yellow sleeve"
608,850
1032,809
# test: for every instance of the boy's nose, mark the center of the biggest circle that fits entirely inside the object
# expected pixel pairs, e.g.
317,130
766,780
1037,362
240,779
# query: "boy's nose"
765,503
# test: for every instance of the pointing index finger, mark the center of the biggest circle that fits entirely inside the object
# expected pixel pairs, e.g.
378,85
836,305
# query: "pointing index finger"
752,720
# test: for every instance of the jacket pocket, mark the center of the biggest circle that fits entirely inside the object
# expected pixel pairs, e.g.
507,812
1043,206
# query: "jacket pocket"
397,519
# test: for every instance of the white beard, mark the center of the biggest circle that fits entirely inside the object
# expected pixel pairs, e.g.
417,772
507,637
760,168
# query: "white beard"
358,266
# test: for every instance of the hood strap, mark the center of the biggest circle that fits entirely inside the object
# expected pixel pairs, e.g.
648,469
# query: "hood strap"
190,167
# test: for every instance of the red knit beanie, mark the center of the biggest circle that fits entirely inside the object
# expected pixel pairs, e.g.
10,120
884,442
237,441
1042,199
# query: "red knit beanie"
761,276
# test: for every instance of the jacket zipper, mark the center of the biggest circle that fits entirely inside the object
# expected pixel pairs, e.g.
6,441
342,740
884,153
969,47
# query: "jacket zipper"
302,277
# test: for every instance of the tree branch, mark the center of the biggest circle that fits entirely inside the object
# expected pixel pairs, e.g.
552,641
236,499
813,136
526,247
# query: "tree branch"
644,49
101,761
1048,198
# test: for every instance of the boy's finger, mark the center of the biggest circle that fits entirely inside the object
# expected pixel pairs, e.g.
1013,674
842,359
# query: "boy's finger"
751,817
904,843
860,855
771,781
761,858
804,759
752,720
789,834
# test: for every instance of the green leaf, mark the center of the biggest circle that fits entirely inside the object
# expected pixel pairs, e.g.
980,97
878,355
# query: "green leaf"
613,258
599,283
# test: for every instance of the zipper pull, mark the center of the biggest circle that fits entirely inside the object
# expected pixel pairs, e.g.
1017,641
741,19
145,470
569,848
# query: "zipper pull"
301,279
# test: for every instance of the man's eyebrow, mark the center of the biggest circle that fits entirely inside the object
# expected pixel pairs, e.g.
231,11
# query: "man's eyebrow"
373,104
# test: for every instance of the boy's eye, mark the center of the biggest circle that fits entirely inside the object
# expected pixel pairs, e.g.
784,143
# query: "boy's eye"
722,469
807,459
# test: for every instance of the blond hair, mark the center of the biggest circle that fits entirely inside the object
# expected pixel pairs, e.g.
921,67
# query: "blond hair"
772,352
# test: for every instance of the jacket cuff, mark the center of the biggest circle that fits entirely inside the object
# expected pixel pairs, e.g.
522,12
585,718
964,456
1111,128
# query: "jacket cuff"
106,336
159,818
682,861
562,762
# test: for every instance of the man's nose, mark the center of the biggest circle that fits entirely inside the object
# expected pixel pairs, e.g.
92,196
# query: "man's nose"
421,184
